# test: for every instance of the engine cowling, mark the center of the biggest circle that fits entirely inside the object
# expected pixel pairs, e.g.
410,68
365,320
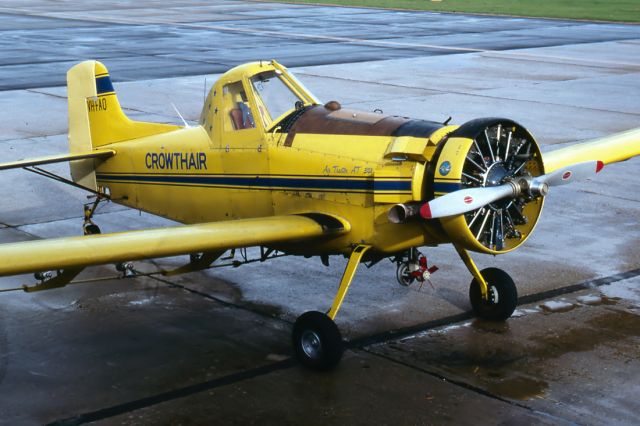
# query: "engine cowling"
481,153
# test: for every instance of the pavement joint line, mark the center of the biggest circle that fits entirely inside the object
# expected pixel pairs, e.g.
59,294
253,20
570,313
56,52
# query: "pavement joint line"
41,92
356,344
223,28
374,83
585,191
399,334
468,386
44,62
18,227
138,404
436,92
593,63
462,92
31,138
350,40
22,231
214,298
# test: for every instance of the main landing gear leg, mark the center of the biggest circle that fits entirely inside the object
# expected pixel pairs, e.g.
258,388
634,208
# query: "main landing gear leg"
317,342
492,292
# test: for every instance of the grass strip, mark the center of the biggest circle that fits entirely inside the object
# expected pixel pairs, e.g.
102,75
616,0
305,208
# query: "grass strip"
595,10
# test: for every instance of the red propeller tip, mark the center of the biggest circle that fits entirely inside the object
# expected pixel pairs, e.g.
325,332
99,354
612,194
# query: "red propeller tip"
425,211
599,166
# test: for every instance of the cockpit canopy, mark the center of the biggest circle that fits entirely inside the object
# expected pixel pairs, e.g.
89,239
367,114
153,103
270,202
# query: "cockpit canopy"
273,96
254,95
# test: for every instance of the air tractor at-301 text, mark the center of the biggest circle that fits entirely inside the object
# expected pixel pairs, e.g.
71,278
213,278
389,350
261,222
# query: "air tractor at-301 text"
270,165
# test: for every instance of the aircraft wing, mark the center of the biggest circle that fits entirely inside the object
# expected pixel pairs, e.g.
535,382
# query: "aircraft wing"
98,153
78,252
610,149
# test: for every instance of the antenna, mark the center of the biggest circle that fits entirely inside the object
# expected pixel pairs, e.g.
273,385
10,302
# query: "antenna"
204,91
180,115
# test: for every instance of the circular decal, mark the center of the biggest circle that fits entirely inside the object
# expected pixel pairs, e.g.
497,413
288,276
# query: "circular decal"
468,199
445,168
566,175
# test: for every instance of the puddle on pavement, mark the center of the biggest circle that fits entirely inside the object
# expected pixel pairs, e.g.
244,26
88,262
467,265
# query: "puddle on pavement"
518,360
605,328
496,327
522,388
263,308
555,306
597,300
500,374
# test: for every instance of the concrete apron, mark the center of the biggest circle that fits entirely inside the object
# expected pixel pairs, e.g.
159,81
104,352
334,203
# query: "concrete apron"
216,344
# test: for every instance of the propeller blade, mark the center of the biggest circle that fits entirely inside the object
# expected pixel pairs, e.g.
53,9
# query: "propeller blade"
569,174
464,200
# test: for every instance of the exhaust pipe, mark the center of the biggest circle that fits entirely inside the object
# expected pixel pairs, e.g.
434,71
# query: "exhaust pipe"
401,212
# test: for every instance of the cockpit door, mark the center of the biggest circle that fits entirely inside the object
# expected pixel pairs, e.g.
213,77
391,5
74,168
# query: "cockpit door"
244,152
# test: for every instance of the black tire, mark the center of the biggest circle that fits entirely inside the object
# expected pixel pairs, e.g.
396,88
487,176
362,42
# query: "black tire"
403,275
317,342
503,296
91,229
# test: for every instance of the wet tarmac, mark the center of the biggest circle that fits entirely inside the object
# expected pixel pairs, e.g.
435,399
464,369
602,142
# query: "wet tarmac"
213,347
147,40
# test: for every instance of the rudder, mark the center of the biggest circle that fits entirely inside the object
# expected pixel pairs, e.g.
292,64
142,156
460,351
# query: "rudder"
96,118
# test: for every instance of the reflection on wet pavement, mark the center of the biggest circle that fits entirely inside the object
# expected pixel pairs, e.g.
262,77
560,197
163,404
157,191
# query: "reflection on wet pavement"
560,353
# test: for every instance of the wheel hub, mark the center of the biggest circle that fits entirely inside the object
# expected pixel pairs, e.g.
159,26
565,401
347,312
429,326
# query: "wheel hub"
311,344
494,297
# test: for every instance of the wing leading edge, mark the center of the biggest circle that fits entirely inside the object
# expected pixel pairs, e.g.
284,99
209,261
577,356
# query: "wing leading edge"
610,149
79,252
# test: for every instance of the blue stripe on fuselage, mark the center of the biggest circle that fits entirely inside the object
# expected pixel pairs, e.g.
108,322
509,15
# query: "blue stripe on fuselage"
446,186
268,182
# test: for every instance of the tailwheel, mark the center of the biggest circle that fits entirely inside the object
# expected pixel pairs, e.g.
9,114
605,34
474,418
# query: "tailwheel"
503,296
317,342
91,228
88,227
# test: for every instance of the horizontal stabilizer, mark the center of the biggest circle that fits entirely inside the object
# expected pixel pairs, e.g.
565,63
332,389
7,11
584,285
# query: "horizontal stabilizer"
78,252
60,158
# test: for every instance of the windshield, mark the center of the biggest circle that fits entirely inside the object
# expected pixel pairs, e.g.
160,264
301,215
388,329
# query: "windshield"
274,97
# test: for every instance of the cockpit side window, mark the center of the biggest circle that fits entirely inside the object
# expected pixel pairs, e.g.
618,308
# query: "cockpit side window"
274,97
238,115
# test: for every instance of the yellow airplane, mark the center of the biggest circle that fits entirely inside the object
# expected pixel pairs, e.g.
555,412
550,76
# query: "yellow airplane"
270,166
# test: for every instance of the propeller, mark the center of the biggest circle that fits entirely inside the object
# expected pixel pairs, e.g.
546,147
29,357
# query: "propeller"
466,200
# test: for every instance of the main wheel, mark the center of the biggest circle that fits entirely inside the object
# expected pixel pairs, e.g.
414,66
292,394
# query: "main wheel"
503,296
317,342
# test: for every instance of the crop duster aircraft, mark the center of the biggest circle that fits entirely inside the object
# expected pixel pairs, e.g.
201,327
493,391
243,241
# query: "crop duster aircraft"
270,166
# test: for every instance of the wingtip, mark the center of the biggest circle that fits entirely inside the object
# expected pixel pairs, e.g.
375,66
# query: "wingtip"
599,166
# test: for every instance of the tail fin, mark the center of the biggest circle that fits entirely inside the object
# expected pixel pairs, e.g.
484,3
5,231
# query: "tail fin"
96,119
